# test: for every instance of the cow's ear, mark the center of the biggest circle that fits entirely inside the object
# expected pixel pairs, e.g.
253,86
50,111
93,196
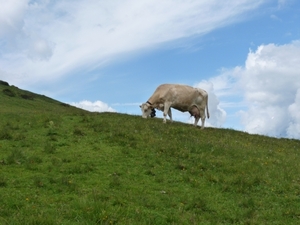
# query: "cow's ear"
140,106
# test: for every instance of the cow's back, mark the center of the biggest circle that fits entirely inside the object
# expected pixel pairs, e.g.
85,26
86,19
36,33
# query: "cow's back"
161,94
183,97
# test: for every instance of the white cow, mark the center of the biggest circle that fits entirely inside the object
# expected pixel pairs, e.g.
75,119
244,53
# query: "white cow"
181,97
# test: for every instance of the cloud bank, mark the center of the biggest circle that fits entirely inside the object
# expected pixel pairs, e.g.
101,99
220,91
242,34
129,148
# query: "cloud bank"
268,85
96,106
78,36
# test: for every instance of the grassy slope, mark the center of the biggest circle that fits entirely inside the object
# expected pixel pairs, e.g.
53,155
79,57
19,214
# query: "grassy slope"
62,165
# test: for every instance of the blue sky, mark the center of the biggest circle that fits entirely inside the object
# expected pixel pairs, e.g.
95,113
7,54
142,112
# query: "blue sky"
111,55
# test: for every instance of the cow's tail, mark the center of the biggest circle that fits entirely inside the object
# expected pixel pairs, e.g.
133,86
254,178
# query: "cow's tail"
207,112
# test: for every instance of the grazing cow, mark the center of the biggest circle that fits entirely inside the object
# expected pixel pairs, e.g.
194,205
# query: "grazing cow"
181,97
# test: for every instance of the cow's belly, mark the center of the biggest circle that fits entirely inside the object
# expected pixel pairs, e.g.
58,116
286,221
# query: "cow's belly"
182,108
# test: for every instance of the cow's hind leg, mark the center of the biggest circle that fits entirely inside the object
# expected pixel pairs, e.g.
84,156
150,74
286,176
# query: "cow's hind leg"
202,114
196,120
170,114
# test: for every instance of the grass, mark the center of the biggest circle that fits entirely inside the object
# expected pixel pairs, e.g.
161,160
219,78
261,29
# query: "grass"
62,165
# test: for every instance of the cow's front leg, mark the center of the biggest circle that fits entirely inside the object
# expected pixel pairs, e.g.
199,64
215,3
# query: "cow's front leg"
167,110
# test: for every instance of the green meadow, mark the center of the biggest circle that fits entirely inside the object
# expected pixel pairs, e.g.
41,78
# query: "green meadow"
63,165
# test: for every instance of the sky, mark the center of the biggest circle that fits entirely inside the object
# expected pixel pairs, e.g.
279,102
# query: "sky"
111,55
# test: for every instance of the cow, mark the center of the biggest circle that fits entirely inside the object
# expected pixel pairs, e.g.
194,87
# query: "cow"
181,97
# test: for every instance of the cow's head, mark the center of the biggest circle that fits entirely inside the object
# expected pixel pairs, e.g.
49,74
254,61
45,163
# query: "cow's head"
147,110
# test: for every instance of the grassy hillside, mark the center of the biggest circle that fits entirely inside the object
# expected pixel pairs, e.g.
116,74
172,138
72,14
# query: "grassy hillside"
63,165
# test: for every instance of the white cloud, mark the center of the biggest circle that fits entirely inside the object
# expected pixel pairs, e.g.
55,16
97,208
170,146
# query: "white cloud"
71,36
293,129
96,106
126,104
274,17
284,3
271,81
268,120
40,49
11,17
269,85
